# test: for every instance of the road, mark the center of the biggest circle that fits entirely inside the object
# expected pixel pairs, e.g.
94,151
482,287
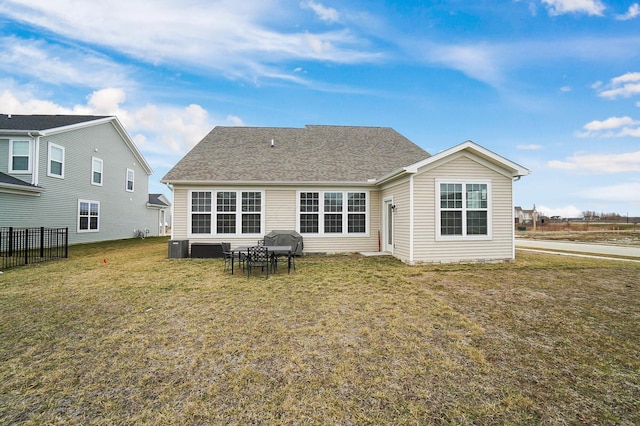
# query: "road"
568,246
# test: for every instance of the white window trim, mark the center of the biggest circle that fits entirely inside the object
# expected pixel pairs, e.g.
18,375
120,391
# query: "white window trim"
133,181
51,146
82,231
238,213
345,213
29,160
93,160
464,236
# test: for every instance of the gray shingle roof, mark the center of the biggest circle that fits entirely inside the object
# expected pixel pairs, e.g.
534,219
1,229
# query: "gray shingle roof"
309,154
43,122
155,200
10,180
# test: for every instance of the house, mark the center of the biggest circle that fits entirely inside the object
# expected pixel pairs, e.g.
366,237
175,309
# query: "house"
346,189
162,205
524,217
75,171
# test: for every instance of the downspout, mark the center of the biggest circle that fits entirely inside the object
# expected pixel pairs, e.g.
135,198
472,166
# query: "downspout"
173,203
35,174
513,222
411,218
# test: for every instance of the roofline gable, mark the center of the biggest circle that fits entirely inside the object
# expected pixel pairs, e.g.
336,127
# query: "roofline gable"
515,169
99,120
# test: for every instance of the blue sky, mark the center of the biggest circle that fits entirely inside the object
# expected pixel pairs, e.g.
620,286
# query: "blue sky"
553,85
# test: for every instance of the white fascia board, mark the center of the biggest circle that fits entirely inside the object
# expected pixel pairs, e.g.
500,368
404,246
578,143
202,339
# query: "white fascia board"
514,168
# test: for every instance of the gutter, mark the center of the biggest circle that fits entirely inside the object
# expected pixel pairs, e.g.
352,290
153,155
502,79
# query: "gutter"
171,183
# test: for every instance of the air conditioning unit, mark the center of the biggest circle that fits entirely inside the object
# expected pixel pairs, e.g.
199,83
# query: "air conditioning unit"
178,249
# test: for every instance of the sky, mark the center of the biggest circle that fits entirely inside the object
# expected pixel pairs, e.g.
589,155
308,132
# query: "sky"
553,85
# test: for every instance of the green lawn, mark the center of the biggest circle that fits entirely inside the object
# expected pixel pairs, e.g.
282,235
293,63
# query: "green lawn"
345,340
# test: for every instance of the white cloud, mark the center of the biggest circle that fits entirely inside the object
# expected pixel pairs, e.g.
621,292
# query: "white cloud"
599,163
58,65
632,12
626,85
565,89
163,132
327,14
612,127
560,7
530,147
238,39
610,123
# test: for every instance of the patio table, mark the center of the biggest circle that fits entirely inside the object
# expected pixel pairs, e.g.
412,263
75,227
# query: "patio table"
277,251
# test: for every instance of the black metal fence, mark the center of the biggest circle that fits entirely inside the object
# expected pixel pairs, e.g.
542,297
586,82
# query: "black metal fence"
22,246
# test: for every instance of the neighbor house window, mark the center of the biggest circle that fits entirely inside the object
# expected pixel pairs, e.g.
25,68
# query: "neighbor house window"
226,212
463,209
130,176
96,171
339,212
20,156
55,167
88,216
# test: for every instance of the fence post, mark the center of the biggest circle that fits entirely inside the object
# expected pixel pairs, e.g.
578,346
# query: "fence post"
42,242
66,242
11,241
26,246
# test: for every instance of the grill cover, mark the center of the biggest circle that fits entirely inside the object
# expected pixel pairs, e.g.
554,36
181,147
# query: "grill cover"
285,238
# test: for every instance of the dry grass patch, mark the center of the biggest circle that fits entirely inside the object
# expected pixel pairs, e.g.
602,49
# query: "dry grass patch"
345,340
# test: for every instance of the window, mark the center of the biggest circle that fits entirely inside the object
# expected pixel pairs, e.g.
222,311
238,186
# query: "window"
20,156
463,209
235,212
251,208
55,167
309,208
88,216
201,212
96,171
130,176
339,213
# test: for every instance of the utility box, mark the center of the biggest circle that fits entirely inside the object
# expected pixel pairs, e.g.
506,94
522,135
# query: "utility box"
178,249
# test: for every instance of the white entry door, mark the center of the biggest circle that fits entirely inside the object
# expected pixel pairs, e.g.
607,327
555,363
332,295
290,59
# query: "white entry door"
387,238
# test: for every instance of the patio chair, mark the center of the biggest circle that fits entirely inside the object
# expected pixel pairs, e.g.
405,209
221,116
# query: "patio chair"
230,257
258,257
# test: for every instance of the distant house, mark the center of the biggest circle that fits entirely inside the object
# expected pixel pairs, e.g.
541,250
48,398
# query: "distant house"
346,189
524,217
162,205
80,172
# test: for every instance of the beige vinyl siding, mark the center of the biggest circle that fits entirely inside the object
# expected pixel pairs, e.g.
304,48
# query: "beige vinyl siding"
499,247
281,204
179,214
400,194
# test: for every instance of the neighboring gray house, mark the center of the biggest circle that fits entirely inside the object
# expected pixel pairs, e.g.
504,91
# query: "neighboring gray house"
346,189
162,205
80,172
